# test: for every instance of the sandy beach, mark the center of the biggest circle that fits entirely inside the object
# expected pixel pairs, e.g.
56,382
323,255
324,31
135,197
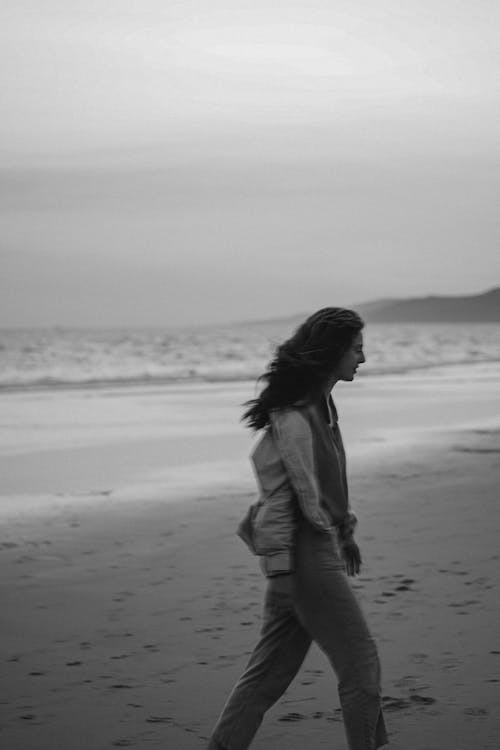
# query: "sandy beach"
129,606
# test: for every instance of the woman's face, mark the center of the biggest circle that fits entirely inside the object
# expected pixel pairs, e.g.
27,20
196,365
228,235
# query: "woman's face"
351,359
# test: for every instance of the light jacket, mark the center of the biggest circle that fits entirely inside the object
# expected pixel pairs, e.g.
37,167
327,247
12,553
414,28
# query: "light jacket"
300,467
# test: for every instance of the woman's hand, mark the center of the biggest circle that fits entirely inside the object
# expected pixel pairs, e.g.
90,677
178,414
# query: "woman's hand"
352,557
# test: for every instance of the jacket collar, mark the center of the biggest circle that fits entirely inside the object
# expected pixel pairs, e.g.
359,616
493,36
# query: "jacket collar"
324,405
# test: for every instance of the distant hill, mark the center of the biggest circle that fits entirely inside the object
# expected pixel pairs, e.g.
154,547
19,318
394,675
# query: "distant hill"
479,308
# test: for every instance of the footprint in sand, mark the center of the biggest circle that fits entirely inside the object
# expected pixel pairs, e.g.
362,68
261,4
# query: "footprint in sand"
122,596
152,647
418,658
335,716
390,703
209,630
476,711
120,686
292,716
481,581
422,700
24,559
406,681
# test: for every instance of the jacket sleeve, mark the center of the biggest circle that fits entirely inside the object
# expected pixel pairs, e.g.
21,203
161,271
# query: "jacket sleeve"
346,528
294,441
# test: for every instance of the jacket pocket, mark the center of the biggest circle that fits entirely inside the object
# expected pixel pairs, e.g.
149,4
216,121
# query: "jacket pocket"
274,524
269,525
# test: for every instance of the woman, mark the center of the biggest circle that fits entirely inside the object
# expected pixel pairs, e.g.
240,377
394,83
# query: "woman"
302,528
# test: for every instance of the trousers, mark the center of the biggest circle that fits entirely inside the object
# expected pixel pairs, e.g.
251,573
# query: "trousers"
320,606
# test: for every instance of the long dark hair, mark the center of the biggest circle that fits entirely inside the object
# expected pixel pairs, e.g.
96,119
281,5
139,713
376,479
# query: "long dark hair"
302,364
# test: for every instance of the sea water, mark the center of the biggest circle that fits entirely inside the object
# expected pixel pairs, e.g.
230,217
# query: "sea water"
62,357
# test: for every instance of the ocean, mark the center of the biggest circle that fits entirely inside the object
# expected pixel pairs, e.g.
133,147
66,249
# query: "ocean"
65,357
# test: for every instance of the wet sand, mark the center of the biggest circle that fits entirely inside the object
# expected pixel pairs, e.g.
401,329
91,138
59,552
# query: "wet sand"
127,616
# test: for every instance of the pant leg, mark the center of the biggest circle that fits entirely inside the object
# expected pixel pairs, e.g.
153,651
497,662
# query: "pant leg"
273,664
329,611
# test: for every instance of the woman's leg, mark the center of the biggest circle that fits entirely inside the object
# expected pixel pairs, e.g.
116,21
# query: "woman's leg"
331,614
273,664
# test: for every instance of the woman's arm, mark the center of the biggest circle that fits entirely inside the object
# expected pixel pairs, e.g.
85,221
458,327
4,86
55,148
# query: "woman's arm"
294,441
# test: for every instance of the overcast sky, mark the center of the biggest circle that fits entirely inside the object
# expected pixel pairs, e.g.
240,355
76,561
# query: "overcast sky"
179,162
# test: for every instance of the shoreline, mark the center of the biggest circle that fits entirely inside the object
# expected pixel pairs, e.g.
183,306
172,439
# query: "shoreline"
183,440
453,368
